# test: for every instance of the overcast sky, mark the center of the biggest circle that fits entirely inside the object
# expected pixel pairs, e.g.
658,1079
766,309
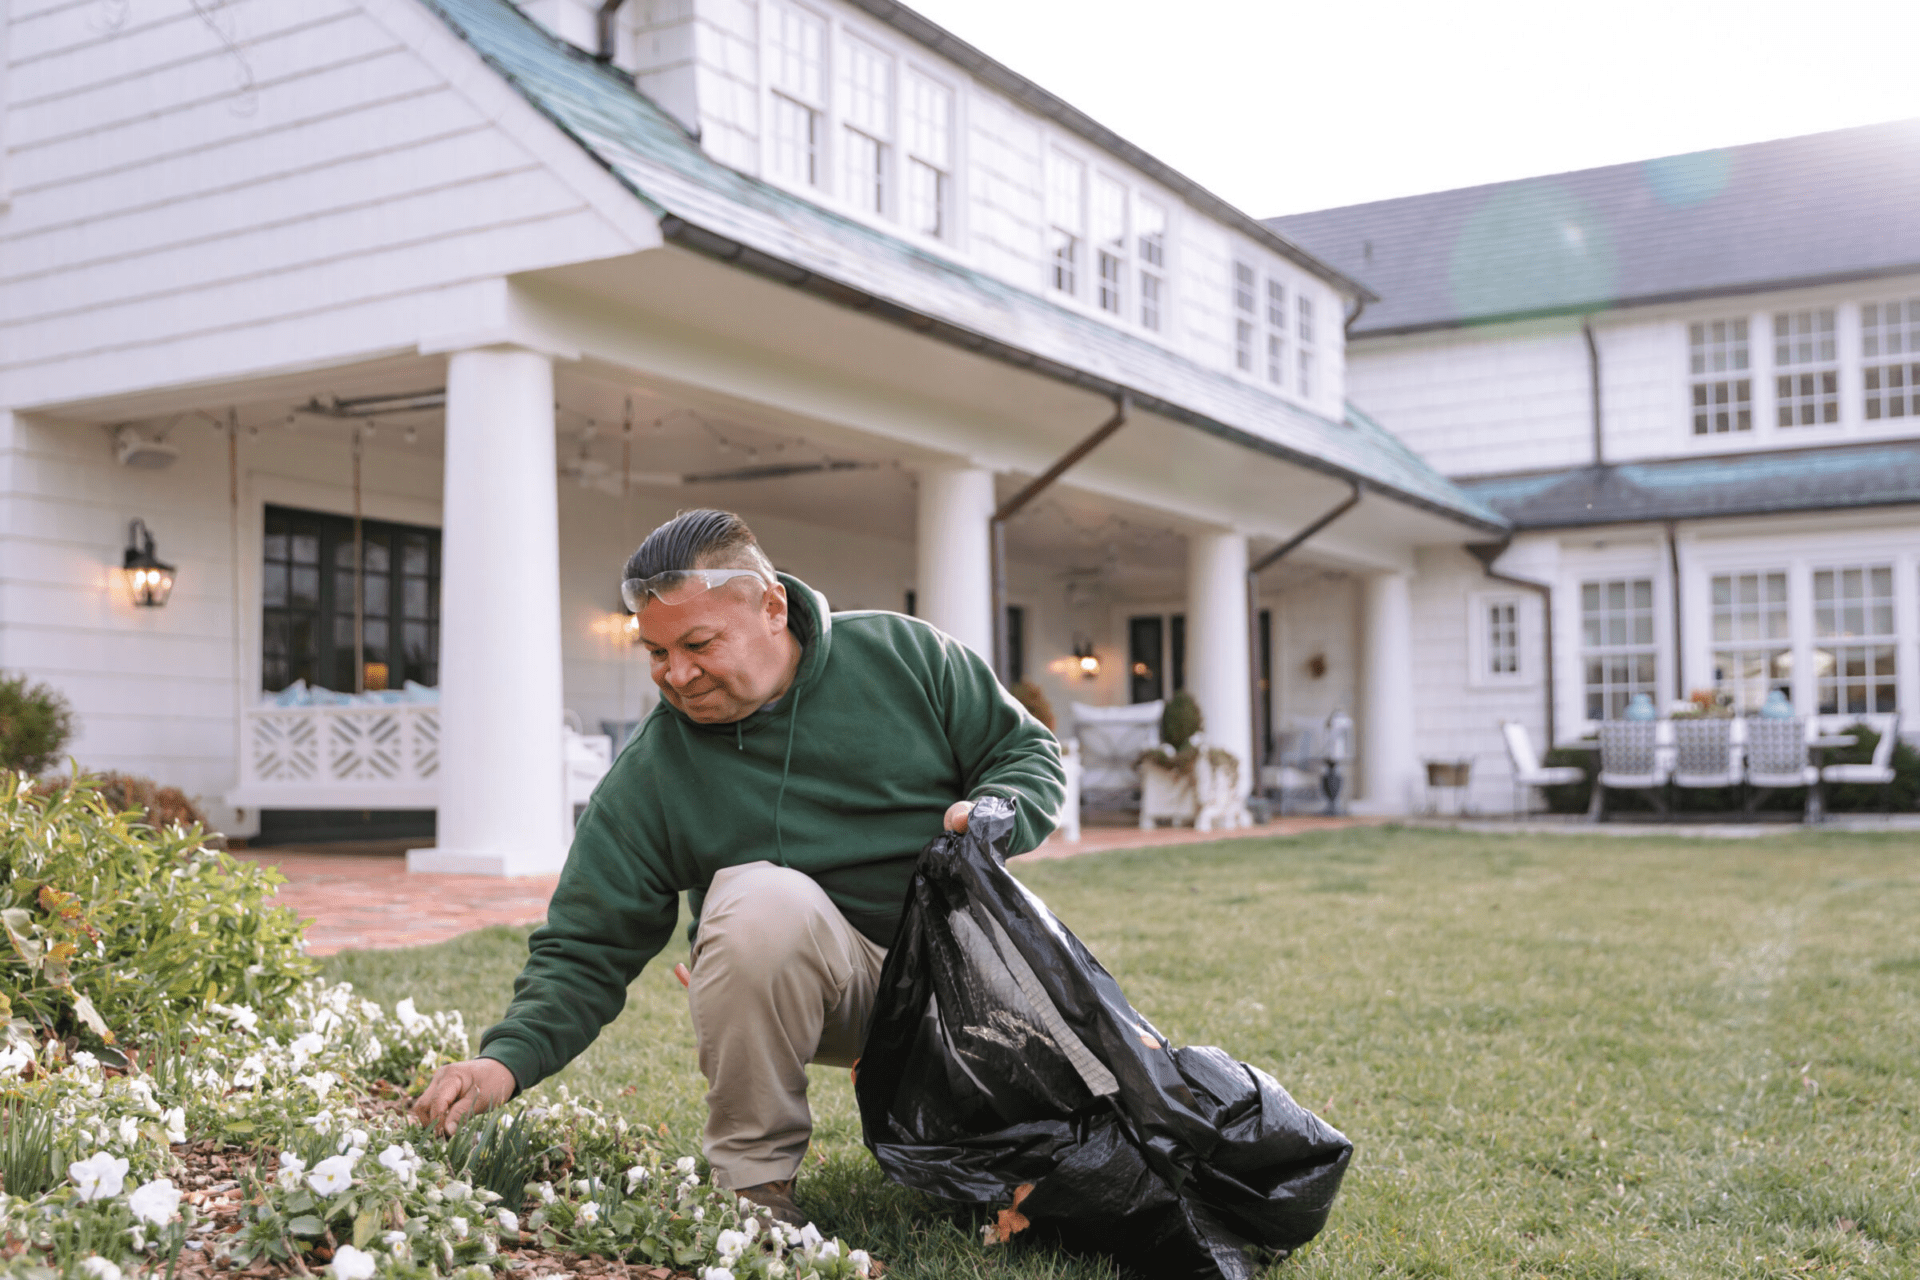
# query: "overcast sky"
1282,106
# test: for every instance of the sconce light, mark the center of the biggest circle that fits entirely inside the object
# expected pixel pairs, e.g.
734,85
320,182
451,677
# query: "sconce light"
148,579
1085,658
620,627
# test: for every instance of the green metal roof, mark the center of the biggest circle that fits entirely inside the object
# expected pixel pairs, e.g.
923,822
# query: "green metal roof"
1827,479
707,207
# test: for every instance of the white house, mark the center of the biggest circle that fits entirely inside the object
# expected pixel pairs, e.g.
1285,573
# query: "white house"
1690,384
397,323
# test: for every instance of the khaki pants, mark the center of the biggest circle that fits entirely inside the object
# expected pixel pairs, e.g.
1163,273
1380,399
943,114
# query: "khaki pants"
780,979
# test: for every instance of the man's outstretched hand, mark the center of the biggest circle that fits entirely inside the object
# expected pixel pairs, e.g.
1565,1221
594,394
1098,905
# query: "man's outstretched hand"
461,1089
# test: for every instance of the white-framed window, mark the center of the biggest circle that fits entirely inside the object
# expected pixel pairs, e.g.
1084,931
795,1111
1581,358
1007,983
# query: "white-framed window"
928,126
1303,383
1502,619
1066,219
1276,309
1150,240
1891,384
1752,642
1503,630
1719,377
1245,281
1617,647
1110,242
1806,375
1855,644
866,119
798,46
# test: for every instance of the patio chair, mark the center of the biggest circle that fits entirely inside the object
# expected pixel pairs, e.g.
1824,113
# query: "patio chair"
1877,772
1528,772
1705,754
1777,758
1292,780
1111,739
1631,759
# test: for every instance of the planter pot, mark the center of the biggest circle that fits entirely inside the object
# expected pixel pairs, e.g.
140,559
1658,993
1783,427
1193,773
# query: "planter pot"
1165,795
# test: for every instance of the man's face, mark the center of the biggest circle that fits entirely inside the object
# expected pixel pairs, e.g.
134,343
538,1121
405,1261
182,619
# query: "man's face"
721,655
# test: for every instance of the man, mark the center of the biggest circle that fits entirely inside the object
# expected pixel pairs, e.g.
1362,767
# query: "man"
796,764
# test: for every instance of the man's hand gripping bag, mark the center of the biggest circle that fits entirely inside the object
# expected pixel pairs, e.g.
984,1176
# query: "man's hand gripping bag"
1002,1055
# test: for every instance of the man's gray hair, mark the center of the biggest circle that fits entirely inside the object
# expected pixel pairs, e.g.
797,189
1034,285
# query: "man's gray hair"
703,539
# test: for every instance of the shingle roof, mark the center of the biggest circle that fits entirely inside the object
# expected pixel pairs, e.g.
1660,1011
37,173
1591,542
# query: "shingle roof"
707,207
1828,479
1826,206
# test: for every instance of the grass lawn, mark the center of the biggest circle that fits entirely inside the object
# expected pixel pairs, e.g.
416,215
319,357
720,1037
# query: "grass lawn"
1563,1056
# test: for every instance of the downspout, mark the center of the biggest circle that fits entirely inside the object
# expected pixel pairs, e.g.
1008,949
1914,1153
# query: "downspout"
997,526
1488,552
1260,726
1593,386
604,22
1353,318
1679,650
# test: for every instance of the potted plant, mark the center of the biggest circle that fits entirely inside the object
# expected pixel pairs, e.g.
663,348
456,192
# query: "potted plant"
1185,781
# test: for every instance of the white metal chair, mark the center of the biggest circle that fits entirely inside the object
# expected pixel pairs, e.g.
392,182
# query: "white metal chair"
1877,772
1528,772
1634,756
1777,757
1705,753
1111,739
1292,779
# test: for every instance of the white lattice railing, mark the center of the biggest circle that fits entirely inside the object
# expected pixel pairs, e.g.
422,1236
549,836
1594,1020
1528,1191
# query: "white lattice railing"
385,757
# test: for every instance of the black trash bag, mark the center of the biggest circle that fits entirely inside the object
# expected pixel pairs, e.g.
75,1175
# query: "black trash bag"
1003,1056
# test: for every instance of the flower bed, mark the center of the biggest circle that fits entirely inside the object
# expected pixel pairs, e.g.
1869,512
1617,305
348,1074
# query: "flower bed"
269,1138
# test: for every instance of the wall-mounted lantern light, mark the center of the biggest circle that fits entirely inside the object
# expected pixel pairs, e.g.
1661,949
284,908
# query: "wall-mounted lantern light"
621,627
1085,659
148,579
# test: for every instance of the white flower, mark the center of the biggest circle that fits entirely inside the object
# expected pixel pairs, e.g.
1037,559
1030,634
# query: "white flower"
460,1228
829,1250
243,1017
685,1164
156,1202
374,1050
321,1082
731,1244
862,1262
99,1268
590,1212
176,1122
291,1167
699,1214
143,1094
394,1239
325,1021
129,1131
252,1069
12,1061
545,1189
353,1138
510,1222
85,1061
635,1177
716,1273
402,1161
458,1191
409,1017
304,1047
350,1263
100,1177
332,1175
321,1123
809,1239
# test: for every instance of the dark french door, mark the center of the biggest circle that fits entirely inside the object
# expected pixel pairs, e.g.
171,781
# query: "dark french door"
307,597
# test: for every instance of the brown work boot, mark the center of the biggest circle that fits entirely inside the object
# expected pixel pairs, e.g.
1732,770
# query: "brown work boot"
777,1199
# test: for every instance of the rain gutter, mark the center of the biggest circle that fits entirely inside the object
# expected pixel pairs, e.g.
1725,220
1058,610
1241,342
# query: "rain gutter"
1487,553
1261,728
677,231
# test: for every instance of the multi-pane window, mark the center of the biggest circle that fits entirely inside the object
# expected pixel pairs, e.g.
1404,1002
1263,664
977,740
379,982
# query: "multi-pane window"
1110,240
1719,377
1854,638
1752,651
1066,219
928,127
307,610
1304,383
866,112
1888,332
1503,638
1150,238
1276,332
1616,618
798,75
1807,379
1243,316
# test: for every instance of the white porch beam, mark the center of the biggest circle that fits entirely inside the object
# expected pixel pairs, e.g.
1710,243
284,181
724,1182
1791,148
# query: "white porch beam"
1217,658
955,570
502,775
1387,761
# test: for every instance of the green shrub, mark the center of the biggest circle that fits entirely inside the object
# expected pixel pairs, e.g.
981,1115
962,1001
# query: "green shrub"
1034,699
159,806
35,725
1574,797
117,929
1903,793
1180,721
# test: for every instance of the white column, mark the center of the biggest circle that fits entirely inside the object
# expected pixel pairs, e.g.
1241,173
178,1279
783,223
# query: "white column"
955,568
1217,661
503,807
1387,758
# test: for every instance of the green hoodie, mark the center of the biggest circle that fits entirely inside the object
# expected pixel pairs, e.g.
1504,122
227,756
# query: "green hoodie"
887,723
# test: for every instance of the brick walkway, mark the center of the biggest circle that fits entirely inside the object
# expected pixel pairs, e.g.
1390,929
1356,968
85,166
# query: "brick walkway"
360,896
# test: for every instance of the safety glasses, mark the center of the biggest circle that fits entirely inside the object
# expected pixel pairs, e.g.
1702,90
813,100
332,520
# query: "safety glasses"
677,586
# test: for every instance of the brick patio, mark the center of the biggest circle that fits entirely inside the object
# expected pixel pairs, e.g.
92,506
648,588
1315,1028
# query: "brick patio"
360,897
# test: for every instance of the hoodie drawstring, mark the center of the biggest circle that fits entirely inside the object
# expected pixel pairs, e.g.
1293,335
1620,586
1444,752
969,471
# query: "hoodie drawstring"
793,719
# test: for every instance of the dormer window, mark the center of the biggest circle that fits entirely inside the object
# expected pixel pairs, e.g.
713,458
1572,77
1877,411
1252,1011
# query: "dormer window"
1110,240
929,138
798,77
1066,219
867,113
